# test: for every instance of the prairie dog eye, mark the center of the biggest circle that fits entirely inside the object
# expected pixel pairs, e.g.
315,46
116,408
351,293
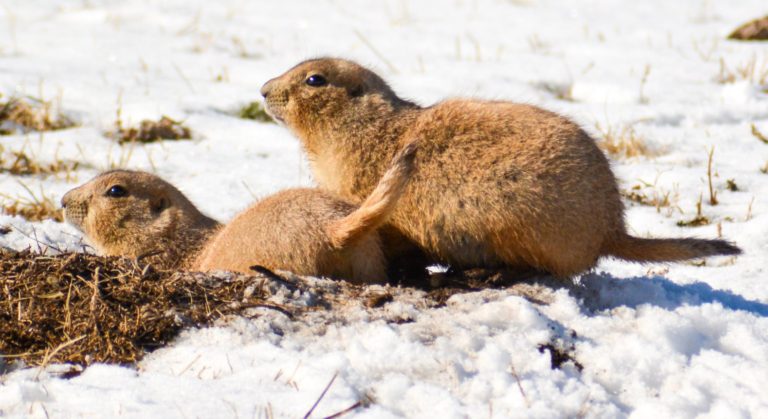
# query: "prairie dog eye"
316,80
117,191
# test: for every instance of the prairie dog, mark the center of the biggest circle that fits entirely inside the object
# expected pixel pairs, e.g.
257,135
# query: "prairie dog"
306,231
312,232
137,214
498,183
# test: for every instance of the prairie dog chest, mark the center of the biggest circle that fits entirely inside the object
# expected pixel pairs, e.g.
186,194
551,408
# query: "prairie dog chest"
331,172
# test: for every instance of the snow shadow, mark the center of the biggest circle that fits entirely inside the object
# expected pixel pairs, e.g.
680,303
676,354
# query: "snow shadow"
601,291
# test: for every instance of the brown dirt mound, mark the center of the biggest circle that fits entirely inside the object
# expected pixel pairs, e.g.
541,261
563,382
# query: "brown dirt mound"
755,30
82,308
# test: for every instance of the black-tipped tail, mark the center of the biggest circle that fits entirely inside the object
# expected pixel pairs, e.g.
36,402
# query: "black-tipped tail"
669,250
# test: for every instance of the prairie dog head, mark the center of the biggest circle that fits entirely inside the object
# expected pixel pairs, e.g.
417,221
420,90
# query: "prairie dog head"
130,213
319,88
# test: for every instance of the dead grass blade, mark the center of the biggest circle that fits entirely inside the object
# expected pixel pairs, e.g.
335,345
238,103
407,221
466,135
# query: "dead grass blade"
319,399
364,402
759,135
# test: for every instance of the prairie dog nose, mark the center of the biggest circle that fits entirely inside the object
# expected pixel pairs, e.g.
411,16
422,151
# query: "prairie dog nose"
266,88
65,199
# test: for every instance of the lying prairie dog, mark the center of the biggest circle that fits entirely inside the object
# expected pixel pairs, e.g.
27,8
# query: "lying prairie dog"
306,231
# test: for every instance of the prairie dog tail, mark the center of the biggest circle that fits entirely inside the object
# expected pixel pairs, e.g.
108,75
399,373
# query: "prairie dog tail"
379,204
668,250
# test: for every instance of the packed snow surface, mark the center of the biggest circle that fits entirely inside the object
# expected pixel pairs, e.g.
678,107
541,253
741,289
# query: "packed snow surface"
678,340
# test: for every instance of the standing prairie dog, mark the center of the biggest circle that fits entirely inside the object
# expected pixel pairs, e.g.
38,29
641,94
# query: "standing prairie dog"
498,183
306,231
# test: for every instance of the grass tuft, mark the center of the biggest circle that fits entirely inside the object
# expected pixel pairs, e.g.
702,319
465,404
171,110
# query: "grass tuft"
699,220
256,112
696,221
20,163
648,194
752,70
623,142
23,115
34,208
151,131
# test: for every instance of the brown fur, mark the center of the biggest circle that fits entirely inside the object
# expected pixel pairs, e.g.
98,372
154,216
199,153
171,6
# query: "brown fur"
498,183
312,232
306,231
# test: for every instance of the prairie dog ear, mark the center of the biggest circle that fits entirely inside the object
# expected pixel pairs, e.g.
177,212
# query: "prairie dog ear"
356,89
355,85
159,204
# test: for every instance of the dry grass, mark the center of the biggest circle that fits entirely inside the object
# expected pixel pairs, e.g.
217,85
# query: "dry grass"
255,111
537,45
82,309
150,131
753,70
706,48
749,209
759,135
699,220
649,194
33,208
696,221
222,76
656,199
22,115
20,163
712,192
623,142
243,51
561,91
642,98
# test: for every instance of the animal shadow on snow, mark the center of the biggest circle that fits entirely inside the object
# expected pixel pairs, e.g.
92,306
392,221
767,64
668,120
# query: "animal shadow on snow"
601,291
597,290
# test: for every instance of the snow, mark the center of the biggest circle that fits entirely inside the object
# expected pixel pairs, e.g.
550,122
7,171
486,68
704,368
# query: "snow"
653,340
